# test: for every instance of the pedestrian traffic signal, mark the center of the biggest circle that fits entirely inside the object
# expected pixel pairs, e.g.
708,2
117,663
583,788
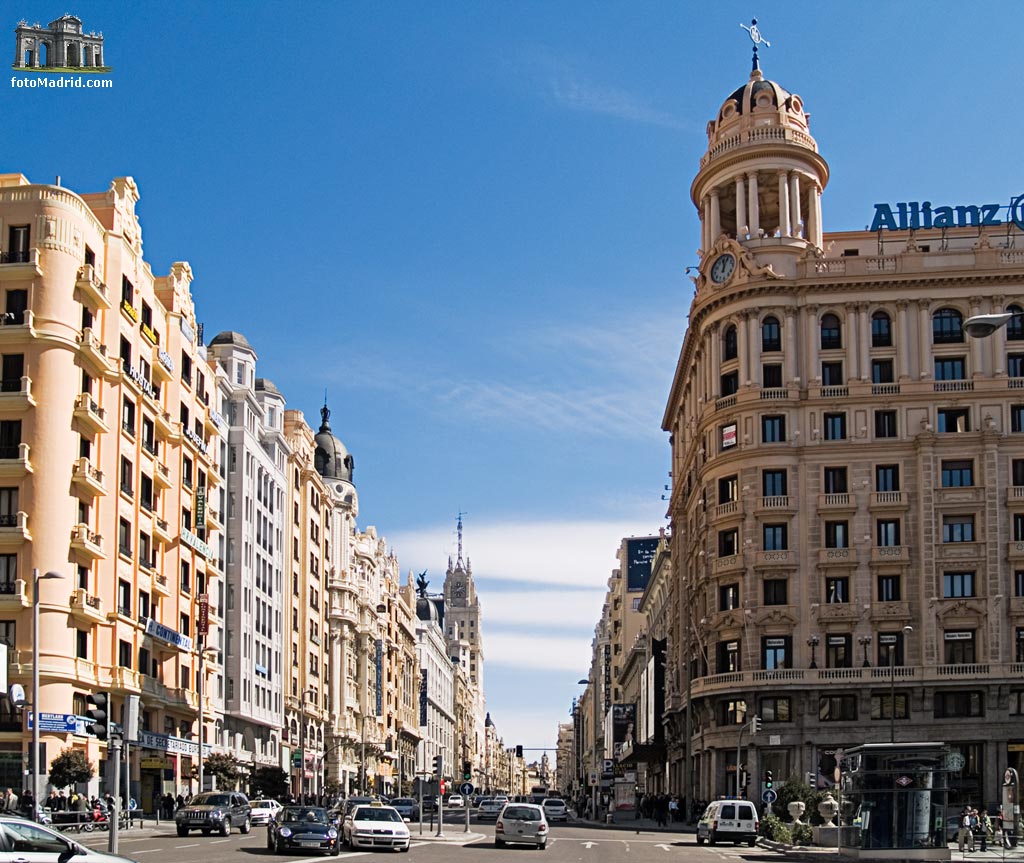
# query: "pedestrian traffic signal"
467,770
439,765
98,714
443,788
768,783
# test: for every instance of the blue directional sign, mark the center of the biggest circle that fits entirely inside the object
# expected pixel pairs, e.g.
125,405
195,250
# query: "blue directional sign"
466,788
769,795
60,723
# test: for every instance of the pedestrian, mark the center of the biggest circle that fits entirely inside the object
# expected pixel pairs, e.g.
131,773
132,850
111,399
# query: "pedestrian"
964,834
62,802
673,809
1000,827
28,805
11,802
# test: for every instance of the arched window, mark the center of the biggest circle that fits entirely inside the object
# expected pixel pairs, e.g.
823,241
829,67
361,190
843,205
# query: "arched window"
831,335
881,330
771,334
730,349
1015,326
947,327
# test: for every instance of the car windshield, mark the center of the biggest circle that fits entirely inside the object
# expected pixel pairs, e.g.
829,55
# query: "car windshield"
302,813
210,800
370,813
403,801
261,804
521,813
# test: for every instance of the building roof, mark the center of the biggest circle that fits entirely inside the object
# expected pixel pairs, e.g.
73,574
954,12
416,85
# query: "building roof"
230,337
332,458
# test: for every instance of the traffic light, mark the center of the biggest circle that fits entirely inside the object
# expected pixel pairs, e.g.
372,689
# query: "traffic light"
519,752
467,770
768,782
755,725
439,765
98,714
443,788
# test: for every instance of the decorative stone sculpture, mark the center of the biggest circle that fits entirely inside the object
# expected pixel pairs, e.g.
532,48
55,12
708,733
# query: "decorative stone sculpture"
796,809
827,809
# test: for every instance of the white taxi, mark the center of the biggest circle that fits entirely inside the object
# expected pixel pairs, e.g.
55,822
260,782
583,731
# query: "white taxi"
375,825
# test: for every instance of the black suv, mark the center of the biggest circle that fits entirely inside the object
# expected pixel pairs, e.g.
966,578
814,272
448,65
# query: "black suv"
215,810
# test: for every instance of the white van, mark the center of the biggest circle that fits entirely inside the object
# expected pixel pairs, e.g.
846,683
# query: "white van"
728,821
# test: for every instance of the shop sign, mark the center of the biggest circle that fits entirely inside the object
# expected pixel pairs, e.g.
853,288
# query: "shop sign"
166,743
195,543
165,633
155,764
913,215
203,621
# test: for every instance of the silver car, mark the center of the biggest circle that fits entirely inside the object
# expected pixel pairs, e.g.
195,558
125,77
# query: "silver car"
522,822
555,809
24,840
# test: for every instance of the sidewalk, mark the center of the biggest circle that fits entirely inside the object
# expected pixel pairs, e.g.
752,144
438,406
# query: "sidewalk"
821,853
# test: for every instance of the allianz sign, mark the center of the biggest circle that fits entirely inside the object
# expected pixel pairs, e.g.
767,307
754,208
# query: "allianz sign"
914,215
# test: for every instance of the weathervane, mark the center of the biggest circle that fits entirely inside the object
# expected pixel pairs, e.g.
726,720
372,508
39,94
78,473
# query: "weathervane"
756,38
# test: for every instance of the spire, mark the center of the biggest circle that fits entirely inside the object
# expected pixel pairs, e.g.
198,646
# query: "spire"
459,560
325,415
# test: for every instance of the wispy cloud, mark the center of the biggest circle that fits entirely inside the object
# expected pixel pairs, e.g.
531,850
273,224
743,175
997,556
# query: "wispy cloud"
578,94
548,652
554,610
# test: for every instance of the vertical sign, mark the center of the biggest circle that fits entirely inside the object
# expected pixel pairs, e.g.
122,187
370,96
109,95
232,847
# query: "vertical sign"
423,697
201,506
203,622
380,676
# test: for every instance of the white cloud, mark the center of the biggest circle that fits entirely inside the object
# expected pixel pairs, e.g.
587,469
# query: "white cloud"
548,609
577,94
535,650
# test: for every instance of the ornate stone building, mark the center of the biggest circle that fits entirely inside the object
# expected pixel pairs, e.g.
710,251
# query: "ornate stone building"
62,45
847,510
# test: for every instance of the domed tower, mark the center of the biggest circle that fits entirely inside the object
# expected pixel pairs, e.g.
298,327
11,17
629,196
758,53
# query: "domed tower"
759,186
334,462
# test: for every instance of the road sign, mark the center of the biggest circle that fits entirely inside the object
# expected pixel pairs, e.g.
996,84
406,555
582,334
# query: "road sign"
769,795
466,788
62,723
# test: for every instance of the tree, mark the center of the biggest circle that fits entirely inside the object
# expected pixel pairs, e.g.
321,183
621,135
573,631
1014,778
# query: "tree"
268,782
224,767
70,767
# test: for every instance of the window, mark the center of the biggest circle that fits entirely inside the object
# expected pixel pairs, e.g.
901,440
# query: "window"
881,330
887,532
186,578
835,480
81,644
776,537
890,648
1017,702
730,383
776,651
1015,365
776,709
771,375
831,336
728,542
8,633
183,625
124,597
957,473
10,438
959,647
728,653
837,708
885,424
186,369
127,291
124,537
728,597
730,348
839,651
947,327
127,476
771,335
882,372
1018,527
8,573
949,369
835,426
887,477
1018,582
1018,654
1015,326
954,420
773,429
128,416
837,590
882,706
888,588
832,374
13,368
8,507
775,591
957,584
773,483
732,712
727,488
837,534
17,305
17,245
959,704
958,528
1016,418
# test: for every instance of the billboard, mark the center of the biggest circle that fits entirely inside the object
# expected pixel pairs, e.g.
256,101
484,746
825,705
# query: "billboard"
623,726
639,554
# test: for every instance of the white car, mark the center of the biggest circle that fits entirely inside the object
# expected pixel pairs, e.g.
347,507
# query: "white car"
23,840
375,825
522,822
456,801
555,809
264,810
728,821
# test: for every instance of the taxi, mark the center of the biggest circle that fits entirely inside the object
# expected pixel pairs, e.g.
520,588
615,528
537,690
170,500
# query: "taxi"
375,825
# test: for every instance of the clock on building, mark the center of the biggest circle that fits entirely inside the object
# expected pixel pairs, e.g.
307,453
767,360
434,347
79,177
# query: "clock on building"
722,268
459,590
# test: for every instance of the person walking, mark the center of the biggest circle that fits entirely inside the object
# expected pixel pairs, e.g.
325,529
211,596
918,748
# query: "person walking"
964,834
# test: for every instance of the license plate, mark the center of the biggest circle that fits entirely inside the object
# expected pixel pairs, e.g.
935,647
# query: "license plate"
310,844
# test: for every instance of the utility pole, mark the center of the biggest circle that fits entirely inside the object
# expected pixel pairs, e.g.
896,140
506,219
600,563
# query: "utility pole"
114,750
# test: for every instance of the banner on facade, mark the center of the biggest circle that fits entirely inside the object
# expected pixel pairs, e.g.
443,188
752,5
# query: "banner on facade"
639,555
423,697
379,659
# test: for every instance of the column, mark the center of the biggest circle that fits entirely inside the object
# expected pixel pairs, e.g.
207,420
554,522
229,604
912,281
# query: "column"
819,239
705,228
848,328
904,353
741,209
716,361
997,341
813,340
716,217
783,203
789,375
753,209
865,343
978,363
753,349
794,204
924,335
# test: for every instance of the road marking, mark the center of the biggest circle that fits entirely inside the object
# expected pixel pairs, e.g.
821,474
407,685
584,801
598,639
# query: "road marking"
589,845
664,847
215,841
193,845
146,851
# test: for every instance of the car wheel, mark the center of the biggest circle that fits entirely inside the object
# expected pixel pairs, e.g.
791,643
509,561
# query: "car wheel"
225,828
246,825
751,842
542,846
499,843
337,849
183,831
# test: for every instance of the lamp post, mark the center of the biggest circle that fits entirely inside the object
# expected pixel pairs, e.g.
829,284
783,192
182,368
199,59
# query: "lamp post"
813,643
892,684
34,760
865,641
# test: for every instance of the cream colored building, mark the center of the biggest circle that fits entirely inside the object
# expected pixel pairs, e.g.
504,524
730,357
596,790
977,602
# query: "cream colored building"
847,509
109,477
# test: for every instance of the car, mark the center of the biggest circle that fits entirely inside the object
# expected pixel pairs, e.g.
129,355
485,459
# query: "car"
728,821
24,840
263,811
352,802
489,808
215,810
408,807
298,829
456,801
555,809
502,798
522,822
375,825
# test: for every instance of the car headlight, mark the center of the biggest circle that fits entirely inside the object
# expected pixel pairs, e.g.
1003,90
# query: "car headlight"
332,833
284,831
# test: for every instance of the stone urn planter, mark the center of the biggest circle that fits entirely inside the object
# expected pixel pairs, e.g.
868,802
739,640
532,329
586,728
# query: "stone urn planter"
827,809
796,809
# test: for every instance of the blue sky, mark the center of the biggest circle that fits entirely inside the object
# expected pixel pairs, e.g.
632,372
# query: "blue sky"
469,222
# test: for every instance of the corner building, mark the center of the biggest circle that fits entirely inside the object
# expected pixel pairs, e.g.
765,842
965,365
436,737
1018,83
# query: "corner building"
847,507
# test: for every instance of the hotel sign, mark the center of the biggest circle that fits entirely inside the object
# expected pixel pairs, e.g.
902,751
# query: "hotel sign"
165,633
913,215
194,542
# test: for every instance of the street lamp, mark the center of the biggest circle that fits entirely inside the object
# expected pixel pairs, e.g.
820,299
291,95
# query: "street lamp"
813,643
982,326
34,761
865,641
892,684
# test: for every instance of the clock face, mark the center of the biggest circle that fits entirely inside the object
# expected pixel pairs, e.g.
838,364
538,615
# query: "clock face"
459,590
722,268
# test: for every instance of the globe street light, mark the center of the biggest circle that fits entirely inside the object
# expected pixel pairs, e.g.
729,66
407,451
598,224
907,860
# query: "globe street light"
865,641
34,761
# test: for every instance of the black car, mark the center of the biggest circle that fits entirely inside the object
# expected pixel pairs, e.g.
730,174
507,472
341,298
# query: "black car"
303,828
407,807
215,811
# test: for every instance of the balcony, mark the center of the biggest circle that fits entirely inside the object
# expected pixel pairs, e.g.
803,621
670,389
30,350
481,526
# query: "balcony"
90,415
889,500
87,542
166,428
16,328
774,393
14,530
154,689
890,554
186,696
14,462
885,389
162,530
730,563
129,311
776,503
956,551
773,559
22,264
835,611
160,584
14,595
88,478
724,510
125,680
837,557
86,607
16,394
93,354
835,502
833,392
1015,495
93,291
209,423
953,386
162,476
